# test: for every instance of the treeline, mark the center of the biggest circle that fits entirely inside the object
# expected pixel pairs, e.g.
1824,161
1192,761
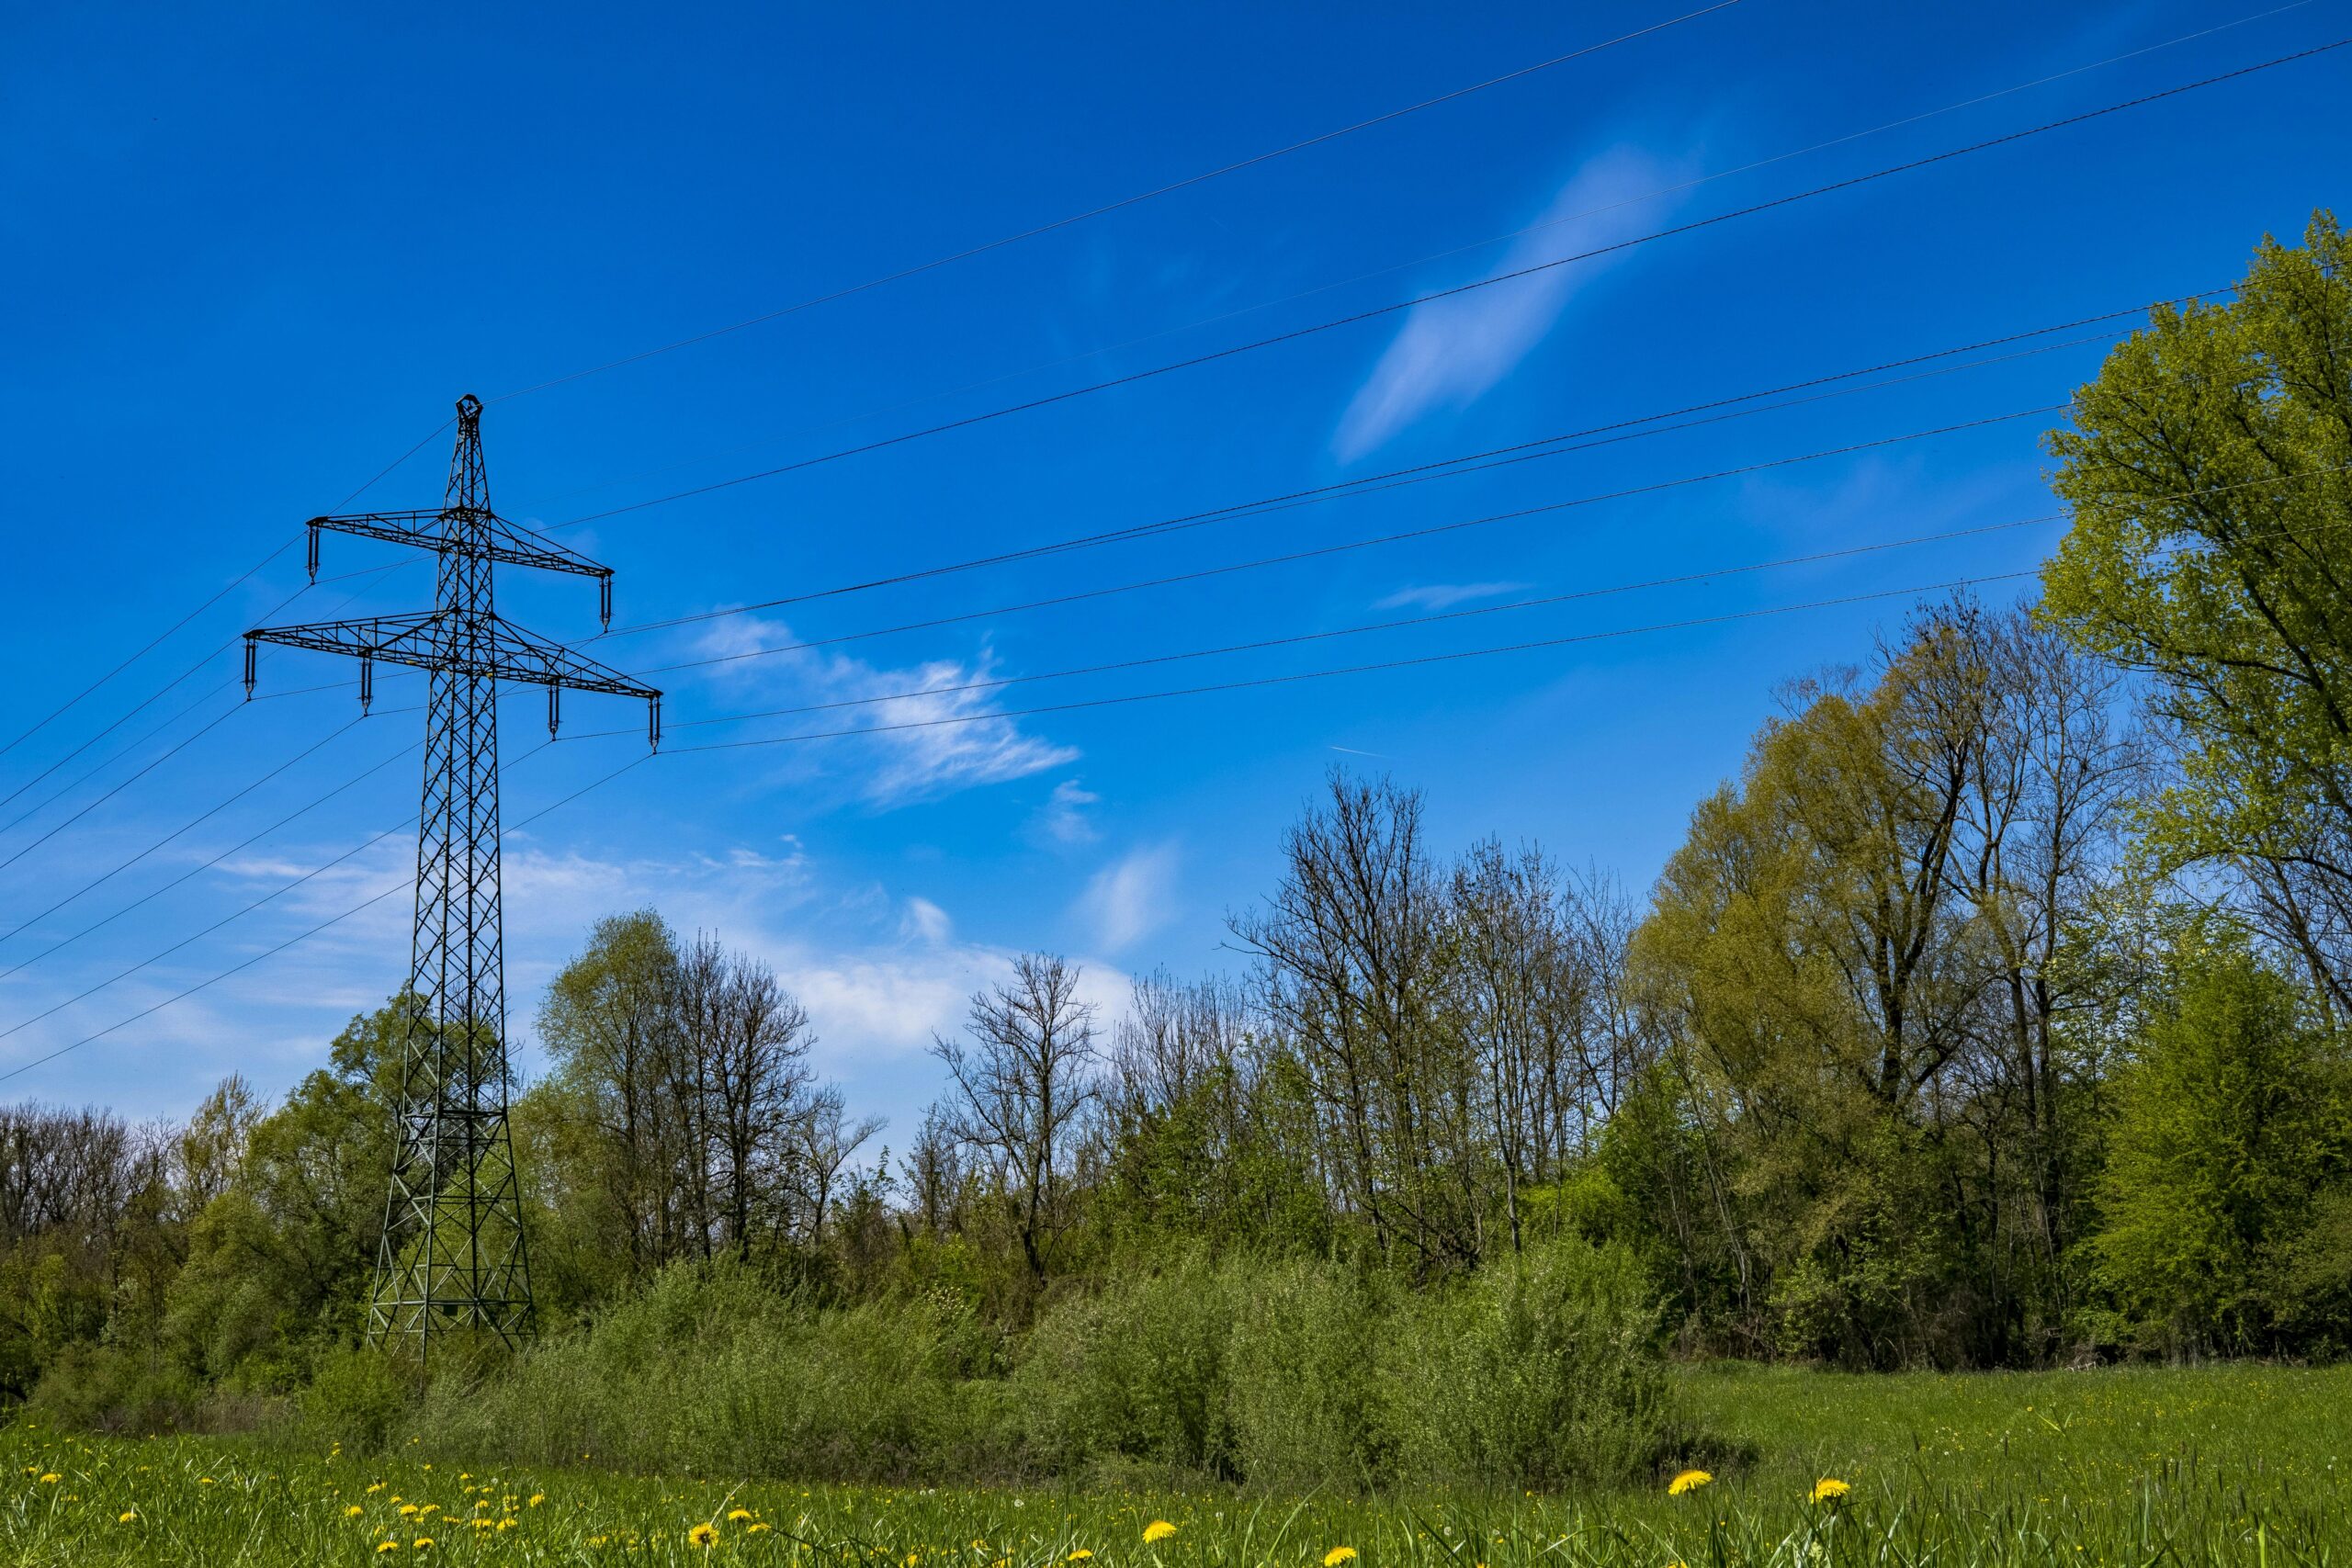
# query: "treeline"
1993,1016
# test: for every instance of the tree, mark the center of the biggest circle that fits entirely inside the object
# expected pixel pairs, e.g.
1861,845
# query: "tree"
2230,1120
1353,951
1024,1077
2209,475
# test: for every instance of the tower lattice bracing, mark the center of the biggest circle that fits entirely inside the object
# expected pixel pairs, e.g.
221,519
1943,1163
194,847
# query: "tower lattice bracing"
454,1255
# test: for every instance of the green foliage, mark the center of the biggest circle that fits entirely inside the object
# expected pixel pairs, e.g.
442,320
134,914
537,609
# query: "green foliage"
2207,471
711,1369
1540,1371
2230,1122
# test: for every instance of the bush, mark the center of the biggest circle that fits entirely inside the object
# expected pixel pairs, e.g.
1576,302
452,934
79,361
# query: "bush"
106,1388
711,1370
1540,1371
1302,1382
1137,1371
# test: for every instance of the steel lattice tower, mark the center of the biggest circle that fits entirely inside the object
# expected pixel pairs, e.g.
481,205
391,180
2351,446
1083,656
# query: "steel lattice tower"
454,1255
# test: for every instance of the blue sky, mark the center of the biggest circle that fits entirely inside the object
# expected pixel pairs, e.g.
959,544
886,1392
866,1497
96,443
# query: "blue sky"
253,254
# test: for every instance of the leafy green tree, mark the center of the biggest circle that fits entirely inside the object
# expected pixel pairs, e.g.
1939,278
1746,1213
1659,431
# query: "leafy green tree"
278,1259
2230,1125
2210,474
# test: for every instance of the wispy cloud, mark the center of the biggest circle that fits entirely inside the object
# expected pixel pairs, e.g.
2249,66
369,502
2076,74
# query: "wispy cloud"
1131,897
1445,595
1062,820
1452,352
924,746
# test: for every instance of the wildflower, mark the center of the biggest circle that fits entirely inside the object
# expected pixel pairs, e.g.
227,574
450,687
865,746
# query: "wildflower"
354,1511
1338,1554
408,1510
1689,1481
1829,1489
424,1543
125,1516
51,1479
384,1546
538,1498
756,1526
1079,1556
1159,1530
737,1516
200,1481
702,1535
377,1487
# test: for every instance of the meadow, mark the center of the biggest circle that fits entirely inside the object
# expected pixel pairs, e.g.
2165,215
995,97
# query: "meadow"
2137,1466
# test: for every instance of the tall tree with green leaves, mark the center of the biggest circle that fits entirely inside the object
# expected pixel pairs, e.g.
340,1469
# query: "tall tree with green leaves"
2209,475
2231,1121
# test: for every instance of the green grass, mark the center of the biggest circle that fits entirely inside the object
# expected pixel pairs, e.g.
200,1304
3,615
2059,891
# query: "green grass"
2230,1465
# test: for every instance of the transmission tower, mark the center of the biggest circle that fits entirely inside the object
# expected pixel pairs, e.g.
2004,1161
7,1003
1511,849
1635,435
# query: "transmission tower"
453,1254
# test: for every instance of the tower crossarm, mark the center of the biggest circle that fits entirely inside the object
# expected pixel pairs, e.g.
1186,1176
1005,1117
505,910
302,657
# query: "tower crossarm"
471,531
436,641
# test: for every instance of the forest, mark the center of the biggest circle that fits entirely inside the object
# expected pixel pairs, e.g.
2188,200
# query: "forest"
1993,1015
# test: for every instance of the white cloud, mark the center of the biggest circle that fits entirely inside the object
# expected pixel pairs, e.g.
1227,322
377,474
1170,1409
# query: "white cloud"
928,745
1445,595
1063,819
928,922
1130,898
1452,352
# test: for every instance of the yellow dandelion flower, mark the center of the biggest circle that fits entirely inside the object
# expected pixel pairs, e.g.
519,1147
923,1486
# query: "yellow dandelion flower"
739,1515
1829,1489
384,1546
1081,1555
408,1510
538,1498
755,1528
377,1487
125,1516
424,1543
1338,1554
485,1524
51,1479
1689,1481
1159,1530
354,1511
200,1481
702,1535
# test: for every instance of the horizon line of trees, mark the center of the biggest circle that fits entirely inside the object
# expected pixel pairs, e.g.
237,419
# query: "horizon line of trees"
1994,1015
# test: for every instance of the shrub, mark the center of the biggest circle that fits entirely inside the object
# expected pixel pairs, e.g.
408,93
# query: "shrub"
1539,1372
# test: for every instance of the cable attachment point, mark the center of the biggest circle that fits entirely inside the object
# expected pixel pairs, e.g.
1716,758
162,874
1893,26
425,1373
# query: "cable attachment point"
250,650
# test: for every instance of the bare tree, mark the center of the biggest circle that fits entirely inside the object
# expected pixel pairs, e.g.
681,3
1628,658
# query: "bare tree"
1024,1078
823,1142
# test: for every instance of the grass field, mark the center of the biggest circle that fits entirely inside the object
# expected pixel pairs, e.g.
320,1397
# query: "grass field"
2231,1465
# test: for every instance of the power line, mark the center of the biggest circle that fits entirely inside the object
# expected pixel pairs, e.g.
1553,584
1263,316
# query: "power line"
244,843
157,761
1124,202
1344,547
198,870
1450,252
215,810
1448,467
1513,274
1707,574
234,583
1256,681
239,968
